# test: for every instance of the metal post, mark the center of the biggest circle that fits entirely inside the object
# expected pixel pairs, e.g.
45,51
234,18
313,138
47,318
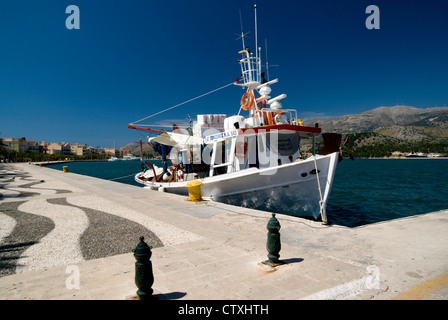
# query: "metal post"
144,277
273,244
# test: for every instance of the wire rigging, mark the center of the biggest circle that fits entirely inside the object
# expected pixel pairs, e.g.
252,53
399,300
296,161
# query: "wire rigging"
180,104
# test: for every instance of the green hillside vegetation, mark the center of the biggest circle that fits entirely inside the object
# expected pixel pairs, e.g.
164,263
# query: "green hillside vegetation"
394,141
377,145
390,131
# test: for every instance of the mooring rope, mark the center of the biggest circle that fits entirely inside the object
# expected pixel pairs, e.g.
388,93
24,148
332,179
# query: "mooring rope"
133,174
317,175
321,202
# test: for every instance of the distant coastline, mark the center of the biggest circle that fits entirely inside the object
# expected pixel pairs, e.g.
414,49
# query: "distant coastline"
47,163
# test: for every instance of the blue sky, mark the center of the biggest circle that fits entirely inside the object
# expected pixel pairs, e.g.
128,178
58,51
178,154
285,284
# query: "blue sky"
130,59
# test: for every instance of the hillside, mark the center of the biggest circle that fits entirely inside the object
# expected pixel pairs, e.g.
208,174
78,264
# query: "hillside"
391,131
384,117
440,121
134,148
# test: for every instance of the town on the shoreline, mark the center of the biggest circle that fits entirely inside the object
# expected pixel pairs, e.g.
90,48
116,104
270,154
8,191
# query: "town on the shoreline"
21,149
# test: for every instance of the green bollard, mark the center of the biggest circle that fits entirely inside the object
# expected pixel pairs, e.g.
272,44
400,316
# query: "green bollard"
273,244
144,277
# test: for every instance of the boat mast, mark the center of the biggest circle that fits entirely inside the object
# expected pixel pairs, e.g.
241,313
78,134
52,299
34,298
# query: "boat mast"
250,63
251,77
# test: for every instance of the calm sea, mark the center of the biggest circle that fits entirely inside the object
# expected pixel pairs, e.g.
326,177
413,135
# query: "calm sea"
365,190
373,190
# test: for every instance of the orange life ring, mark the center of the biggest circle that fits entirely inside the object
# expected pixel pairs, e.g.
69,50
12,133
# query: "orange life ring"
263,104
247,100
260,105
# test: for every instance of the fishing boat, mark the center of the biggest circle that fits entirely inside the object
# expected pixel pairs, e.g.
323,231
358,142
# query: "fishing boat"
251,159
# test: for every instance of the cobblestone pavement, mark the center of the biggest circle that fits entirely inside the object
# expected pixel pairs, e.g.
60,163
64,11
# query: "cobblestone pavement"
45,224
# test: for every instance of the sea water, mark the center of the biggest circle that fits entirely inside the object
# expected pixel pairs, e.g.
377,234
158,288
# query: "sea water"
364,190
373,190
120,171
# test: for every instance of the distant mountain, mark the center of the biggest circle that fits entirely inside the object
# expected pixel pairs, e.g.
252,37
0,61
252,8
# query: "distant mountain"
390,131
383,117
131,146
134,148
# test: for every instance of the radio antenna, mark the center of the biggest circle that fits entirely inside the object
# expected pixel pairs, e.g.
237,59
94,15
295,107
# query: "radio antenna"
267,62
242,32
256,32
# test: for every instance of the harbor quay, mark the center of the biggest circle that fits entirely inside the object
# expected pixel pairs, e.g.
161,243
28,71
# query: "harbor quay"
65,236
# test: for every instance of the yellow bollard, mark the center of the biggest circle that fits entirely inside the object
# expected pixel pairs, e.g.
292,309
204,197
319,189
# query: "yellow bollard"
194,190
40,164
65,168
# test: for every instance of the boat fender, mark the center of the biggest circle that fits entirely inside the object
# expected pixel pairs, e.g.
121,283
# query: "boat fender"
167,176
247,100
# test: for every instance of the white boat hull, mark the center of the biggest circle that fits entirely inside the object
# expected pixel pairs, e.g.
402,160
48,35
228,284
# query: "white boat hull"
294,188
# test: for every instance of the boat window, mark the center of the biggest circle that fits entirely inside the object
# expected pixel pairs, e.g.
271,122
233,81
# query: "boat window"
287,144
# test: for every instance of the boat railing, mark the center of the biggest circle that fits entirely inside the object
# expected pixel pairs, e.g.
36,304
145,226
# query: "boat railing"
230,160
250,70
270,116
